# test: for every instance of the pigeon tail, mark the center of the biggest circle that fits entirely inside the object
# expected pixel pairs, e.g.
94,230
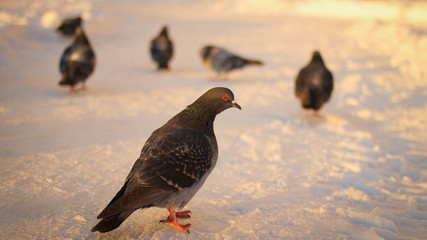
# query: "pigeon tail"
111,223
66,81
63,82
311,100
163,65
306,99
105,212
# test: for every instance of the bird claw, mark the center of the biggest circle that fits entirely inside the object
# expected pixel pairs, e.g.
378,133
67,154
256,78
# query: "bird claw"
175,223
172,219
317,115
183,214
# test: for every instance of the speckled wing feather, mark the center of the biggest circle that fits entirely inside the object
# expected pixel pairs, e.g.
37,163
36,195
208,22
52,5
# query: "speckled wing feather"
161,49
314,85
233,62
77,52
65,58
77,62
168,163
303,80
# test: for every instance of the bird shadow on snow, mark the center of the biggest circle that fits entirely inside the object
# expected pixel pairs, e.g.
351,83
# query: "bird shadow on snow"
237,78
301,118
56,93
60,93
172,72
146,70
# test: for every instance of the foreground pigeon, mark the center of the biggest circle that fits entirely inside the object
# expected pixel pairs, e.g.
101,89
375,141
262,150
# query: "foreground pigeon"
174,163
314,84
68,26
161,49
77,61
223,61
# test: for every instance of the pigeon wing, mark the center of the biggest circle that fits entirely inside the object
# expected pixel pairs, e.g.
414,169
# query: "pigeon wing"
65,59
167,164
301,83
161,49
327,83
234,62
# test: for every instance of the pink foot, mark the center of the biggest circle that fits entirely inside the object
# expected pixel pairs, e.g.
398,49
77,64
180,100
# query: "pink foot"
172,219
316,114
83,87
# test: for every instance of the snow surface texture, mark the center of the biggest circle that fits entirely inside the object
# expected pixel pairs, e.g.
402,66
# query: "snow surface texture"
359,172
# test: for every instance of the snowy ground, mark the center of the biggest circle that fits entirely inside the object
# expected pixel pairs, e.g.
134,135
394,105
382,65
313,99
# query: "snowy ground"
359,172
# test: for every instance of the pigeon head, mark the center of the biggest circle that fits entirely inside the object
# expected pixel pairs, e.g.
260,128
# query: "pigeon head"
69,25
77,21
218,99
164,31
317,58
206,51
201,113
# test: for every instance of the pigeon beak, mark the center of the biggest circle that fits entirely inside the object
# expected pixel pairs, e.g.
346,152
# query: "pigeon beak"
234,104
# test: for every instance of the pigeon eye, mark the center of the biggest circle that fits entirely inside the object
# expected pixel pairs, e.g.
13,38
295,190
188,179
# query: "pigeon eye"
225,98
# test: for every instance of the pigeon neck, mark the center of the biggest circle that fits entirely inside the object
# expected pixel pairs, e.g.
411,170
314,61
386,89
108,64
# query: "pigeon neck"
81,37
198,118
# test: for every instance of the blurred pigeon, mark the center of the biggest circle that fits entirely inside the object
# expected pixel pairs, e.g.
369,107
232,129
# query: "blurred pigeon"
68,26
314,84
77,61
161,49
174,163
223,61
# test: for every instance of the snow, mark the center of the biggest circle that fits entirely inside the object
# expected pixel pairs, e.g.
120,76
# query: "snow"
358,172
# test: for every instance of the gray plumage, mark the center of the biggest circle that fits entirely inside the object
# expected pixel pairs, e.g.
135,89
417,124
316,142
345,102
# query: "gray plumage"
77,61
222,61
174,162
314,83
161,49
69,26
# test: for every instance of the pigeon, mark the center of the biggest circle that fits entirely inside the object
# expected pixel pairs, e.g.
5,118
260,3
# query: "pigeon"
161,49
314,84
174,163
69,25
77,61
223,61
